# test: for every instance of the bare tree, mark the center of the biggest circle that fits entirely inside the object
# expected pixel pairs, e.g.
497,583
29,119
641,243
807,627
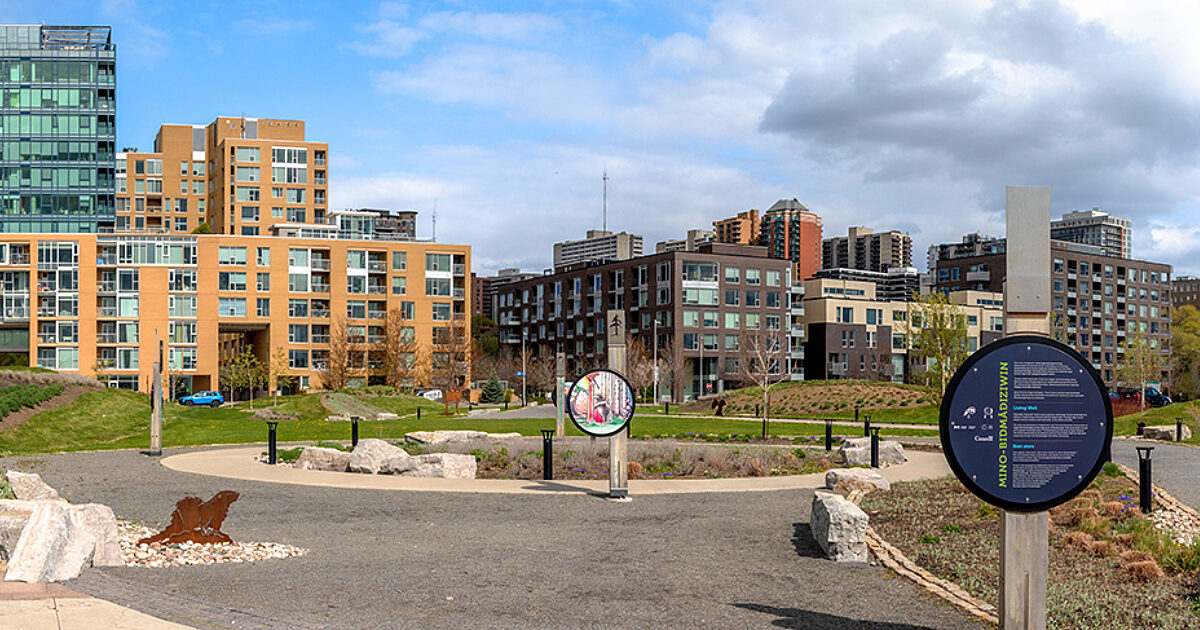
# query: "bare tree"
337,373
278,367
639,366
678,369
762,361
542,372
450,365
1141,362
398,350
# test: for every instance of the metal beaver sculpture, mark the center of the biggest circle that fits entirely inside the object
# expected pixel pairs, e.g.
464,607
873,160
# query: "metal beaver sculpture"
197,521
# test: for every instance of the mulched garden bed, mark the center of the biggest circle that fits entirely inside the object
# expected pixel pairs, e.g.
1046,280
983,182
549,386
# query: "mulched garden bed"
1101,552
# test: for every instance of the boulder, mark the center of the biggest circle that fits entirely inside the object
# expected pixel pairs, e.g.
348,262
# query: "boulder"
839,527
850,479
30,487
857,452
1165,432
99,521
12,523
376,456
445,465
319,458
441,437
54,546
386,415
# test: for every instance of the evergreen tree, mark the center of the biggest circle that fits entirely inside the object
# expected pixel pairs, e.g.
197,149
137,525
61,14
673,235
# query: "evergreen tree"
492,391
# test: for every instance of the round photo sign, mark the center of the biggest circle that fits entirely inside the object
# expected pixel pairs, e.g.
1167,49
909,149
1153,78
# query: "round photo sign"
600,403
1026,423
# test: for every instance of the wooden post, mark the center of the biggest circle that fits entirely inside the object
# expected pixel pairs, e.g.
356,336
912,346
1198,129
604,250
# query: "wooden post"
560,429
618,443
156,401
1024,536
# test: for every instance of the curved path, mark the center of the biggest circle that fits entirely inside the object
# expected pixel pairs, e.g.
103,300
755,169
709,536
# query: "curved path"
240,463
396,559
1174,467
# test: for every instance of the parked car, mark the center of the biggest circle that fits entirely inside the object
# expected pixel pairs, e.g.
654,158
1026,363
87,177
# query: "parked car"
431,394
1154,398
211,399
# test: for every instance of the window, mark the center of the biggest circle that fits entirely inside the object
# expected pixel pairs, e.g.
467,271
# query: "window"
247,174
691,341
437,286
399,261
298,257
752,320
154,186
357,309
731,343
231,307
711,319
753,276
242,155
182,332
437,262
289,175
298,282
263,307
181,224
181,306
691,319
198,189
231,281
844,314
773,278
399,285
294,195
297,333
733,321
702,297
198,169
277,193
247,193
700,271
441,311
752,297
182,359
289,155
298,308
298,359
231,255
154,167
356,259
181,280
250,213
732,297
772,299
263,282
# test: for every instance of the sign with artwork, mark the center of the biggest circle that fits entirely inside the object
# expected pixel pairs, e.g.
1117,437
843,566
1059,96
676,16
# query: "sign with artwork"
600,403
1026,423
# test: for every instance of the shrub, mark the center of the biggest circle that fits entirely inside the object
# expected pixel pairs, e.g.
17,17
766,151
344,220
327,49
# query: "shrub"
635,470
1142,571
1101,547
929,539
16,397
1111,469
1078,540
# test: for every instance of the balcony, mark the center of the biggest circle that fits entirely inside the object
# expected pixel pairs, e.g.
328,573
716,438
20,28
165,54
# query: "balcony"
377,290
320,264
320,338
47,338
107,286
319,313
108,311
320,366
375,338
17,258
46,312
15,314
376,266
460,316
837,369
320,287
106,338
106,260
459,270
376,314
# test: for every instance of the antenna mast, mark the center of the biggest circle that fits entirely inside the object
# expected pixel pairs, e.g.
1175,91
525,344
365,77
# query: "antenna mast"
435,220
604,225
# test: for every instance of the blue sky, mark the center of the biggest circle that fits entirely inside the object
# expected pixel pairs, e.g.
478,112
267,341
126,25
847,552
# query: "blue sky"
909,116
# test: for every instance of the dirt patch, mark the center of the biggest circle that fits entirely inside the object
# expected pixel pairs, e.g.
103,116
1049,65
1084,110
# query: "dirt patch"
68,396
804,398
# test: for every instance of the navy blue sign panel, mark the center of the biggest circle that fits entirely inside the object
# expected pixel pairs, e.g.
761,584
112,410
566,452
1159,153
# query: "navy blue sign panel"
1026,423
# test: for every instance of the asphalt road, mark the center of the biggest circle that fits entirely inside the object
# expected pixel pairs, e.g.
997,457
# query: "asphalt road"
383,559
1174,467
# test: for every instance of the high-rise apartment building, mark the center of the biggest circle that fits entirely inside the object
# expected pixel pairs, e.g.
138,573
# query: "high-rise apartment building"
790,231
867,250
974,244
740,230
241,176
689,243
1114,235
599,246
57,128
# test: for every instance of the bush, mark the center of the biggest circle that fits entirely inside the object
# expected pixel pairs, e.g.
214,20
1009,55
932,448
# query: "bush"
492,391
15,397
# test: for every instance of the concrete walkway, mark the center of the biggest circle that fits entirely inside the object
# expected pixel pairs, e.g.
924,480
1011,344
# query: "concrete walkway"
240,463
56,607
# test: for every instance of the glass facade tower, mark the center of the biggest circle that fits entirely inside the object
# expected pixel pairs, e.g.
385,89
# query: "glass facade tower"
57,128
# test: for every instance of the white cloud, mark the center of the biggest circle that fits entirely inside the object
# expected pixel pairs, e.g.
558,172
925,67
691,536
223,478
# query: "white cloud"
386,38
272,26
522,27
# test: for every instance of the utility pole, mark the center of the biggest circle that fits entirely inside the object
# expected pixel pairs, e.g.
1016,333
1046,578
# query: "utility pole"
604,225
1024,536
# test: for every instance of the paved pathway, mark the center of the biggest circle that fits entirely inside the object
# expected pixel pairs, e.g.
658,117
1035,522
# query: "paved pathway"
1174,467
397,559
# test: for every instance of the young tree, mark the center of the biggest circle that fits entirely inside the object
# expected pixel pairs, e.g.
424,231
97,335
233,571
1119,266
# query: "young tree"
278,367
450,365
542,372
1185,350
101,368
762,361
678,368
936,331
639,365
398,350
492,392
337,373
245,371
1141,362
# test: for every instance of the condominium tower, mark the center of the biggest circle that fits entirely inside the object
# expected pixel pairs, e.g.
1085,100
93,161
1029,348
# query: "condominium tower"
57,128
1114,235
598,246
867,250
790,231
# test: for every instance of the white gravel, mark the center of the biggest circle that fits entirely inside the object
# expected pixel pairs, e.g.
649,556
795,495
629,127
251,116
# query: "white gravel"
159,555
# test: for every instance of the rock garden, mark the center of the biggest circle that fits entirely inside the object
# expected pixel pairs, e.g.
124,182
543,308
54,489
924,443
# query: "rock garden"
473,454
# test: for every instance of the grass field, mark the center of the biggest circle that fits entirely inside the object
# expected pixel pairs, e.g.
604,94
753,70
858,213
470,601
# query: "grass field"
109,419
1127,425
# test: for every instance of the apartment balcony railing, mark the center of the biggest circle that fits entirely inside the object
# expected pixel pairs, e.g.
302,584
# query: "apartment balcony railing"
320,287
377,266
459,270
47,338
377,290
106,338
320,264
108,311
460,294
320,338
15,314
375,338
319,313
107,286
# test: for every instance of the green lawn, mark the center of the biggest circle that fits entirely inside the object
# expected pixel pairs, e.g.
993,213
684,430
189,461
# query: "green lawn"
1127,425
107,419
925,414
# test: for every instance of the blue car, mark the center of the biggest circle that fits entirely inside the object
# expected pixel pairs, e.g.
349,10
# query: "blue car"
212,399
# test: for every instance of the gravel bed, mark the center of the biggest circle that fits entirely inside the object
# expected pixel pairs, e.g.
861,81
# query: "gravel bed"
159,555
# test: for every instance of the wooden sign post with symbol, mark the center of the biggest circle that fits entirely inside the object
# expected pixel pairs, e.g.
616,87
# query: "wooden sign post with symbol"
618,443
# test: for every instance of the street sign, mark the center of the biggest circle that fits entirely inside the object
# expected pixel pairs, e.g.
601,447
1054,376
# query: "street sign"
1026,423
601,403
518,374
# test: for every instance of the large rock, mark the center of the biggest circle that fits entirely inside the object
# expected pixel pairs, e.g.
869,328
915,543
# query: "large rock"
839,527
857,452
54,546
1165,432
442,437
12,523
378,457
30,487
446,465
99,521
850,479
319,458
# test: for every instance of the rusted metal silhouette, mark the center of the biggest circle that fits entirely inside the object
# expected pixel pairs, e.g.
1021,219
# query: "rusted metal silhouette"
197,521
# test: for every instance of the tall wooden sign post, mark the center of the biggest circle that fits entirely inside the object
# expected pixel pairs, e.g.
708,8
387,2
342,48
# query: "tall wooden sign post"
618,443
156,401
1025,536
560,373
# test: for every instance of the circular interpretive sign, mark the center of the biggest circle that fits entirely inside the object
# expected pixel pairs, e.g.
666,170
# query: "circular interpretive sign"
1026,423
600,403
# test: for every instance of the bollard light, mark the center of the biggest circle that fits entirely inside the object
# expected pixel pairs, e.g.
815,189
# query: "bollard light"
828,434
866,425
667,408
1144,480
875,448
353,431
271,453
1178,429
548,454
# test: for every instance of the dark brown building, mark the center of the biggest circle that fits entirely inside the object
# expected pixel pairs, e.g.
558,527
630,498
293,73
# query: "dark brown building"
1097,301
1185,291
701,303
